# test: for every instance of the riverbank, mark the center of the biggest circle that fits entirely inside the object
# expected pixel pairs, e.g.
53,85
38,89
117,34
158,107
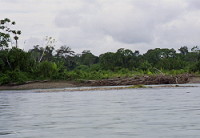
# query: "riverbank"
137,80
40,85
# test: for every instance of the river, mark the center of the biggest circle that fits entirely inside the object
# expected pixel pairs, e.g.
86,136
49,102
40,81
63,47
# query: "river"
128,113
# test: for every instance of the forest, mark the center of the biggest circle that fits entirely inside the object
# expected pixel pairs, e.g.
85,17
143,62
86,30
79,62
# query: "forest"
47,63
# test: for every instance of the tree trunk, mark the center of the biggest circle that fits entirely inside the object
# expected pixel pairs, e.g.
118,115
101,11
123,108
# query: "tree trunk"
16,43
42,55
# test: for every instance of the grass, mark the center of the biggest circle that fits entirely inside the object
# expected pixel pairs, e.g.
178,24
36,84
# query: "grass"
137,86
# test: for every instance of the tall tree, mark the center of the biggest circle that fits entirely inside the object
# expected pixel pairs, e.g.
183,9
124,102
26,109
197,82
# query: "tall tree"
183,50
64,52
87,58
48,48
6,32
107,61
66,55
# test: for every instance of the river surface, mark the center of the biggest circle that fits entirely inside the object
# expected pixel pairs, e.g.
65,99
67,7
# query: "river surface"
128,113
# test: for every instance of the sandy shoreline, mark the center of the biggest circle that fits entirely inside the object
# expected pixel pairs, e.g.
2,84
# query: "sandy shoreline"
62,84
109,88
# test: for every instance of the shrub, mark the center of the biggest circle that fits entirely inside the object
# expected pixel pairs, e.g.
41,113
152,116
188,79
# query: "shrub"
13,77
46,70
195,68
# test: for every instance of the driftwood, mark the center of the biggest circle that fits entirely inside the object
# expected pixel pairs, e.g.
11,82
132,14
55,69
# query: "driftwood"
137,80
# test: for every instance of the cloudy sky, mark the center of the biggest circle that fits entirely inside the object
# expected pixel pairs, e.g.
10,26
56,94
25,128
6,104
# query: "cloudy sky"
106,25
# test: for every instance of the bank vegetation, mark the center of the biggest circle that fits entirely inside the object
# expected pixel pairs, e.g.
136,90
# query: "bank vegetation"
47,63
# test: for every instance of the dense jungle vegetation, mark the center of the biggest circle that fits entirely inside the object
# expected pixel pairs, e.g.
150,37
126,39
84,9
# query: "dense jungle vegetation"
46,62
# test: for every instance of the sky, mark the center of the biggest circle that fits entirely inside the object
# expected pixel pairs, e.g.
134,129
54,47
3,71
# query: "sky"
106,25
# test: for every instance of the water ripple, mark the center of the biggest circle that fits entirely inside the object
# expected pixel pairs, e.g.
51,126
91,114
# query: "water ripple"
151,113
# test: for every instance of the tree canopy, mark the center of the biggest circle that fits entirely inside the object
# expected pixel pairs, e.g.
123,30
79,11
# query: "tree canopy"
46,62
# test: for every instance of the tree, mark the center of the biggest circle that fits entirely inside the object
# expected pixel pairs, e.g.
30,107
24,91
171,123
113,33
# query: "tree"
4,62
161,58
183,50
16,36
64,52
124,58
48,48
66,55
47,69
195,49
36,52
107,61
6,31
15,59
145,65
136,53
87,58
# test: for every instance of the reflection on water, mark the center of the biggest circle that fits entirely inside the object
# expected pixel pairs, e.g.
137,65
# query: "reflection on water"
139,113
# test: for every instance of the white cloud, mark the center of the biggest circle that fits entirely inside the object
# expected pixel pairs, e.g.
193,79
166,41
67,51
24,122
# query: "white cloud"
106,25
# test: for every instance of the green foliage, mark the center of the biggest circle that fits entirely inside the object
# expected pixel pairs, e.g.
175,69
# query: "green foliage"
123,63
137,86
17,65
107,60
195,67
95,67
87,58
175,72
123,58
6,32
16,77
67,56
145,66
16,59
46,70
184,50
